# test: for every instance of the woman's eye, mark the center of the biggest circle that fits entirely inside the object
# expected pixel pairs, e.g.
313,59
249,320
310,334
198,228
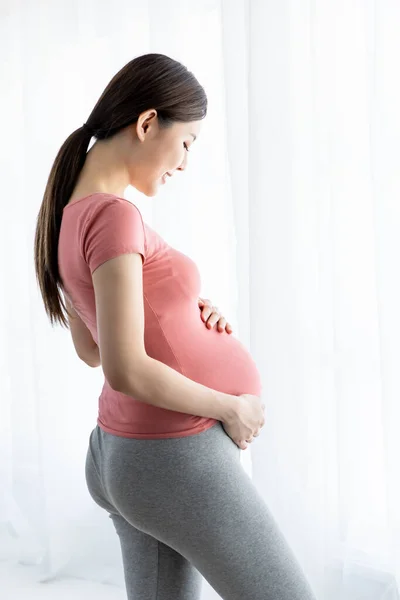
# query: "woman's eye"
186,147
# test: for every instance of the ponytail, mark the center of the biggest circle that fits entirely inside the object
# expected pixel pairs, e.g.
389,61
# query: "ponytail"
60,185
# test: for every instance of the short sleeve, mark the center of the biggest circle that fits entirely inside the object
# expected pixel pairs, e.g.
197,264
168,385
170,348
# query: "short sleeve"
113,229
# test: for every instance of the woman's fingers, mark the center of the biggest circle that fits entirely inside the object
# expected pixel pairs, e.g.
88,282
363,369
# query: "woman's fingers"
206,313
211,316
214,319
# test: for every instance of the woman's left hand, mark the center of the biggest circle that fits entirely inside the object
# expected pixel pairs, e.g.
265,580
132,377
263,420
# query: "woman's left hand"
211,316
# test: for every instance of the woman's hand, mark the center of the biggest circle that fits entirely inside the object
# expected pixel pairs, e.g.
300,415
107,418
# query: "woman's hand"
211,316
246,421
85,346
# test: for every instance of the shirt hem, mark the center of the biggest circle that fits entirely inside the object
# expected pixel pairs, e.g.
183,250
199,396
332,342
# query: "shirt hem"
154,436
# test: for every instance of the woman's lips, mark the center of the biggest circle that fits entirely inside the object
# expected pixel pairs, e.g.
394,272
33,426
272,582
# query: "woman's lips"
164,177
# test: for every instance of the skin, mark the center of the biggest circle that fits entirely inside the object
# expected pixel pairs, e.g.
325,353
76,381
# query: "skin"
138,155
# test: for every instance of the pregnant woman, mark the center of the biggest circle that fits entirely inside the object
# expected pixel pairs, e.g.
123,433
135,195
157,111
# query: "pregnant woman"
181,395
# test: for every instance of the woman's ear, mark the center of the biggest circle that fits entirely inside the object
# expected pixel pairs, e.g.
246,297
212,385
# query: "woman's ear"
145,122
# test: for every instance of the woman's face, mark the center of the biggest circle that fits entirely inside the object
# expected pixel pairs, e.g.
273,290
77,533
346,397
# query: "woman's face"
159,152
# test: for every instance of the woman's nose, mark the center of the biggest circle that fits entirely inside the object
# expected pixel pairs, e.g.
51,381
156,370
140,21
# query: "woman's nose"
183,164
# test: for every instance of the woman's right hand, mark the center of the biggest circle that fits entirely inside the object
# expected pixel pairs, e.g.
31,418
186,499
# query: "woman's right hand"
246,421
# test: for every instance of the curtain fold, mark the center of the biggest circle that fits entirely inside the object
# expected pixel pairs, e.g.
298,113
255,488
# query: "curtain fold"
322,215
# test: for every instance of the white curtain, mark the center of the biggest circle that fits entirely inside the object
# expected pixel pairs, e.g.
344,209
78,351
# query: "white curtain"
290,208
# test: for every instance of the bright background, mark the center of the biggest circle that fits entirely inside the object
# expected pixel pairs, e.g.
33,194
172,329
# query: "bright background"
290,208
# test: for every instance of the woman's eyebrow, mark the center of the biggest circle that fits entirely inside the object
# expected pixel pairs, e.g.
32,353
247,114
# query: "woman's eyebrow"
194,137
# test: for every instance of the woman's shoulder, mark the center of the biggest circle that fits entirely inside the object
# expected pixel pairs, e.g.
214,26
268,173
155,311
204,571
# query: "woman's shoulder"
96,199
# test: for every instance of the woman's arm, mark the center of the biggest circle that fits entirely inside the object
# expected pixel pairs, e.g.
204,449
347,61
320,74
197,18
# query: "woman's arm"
118,287
85,346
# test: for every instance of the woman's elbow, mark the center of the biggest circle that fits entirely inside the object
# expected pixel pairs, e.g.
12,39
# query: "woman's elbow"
94,363
122,376
93,360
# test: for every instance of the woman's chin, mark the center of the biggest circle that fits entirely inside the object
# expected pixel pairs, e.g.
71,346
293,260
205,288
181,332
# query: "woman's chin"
150,190
153,190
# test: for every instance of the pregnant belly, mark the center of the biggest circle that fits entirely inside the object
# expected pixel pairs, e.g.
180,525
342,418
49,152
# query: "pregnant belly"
217,360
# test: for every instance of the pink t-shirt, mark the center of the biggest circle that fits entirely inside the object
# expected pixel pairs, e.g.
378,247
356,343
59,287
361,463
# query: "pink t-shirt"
102,226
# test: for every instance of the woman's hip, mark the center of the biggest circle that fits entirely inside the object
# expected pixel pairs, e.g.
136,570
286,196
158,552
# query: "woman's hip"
139,475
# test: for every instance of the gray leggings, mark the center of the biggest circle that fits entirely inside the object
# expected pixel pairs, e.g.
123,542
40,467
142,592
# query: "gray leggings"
184,508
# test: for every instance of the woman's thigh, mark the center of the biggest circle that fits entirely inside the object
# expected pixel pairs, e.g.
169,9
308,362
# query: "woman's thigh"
193,495
152,569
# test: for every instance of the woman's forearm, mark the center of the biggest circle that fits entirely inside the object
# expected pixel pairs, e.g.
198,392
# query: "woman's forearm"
153,382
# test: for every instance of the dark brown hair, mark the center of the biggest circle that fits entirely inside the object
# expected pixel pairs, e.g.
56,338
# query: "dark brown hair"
148,81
